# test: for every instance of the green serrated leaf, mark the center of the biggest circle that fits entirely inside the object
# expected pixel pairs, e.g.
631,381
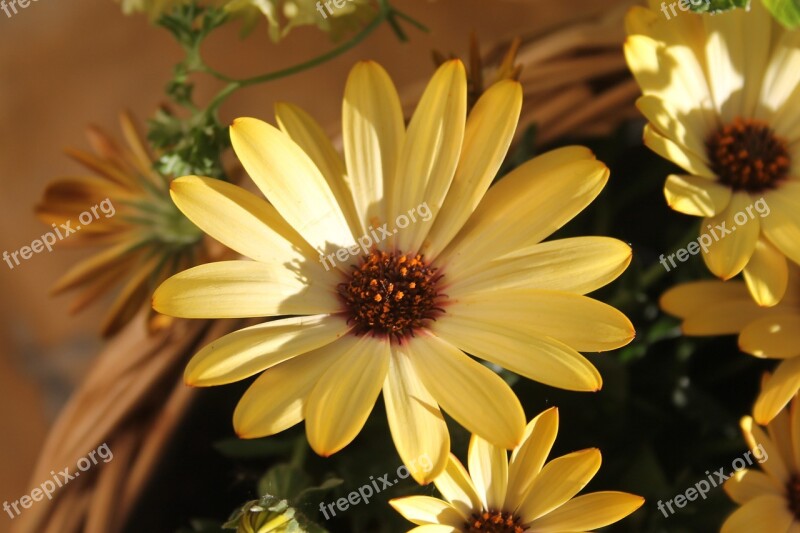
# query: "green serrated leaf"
787,12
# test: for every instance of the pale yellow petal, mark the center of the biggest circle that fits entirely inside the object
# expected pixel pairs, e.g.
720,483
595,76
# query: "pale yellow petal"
341,401
246,352
781,219
679,126
457,487
766,274
724,318
311,138
731,244
417,425
765,513
239,289
423,510
292,183
473,395
668,149
582,323
373,132
776,336
533,356
559,480
747,485
488,468
526,206
692,195
238,219
435,528
689,298
529,457
431,151
578,264
778,390
275,401
489,131
758,440
589,511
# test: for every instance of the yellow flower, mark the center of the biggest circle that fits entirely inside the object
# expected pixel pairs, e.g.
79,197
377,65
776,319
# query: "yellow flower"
146,238
395,261
770,498
724,108
521,494
725,308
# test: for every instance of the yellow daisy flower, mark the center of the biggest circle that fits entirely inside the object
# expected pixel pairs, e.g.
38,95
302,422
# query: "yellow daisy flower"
520,494
394,262
769,498
146,238
725,308
727,110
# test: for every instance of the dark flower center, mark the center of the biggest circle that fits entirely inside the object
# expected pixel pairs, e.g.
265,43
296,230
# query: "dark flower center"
493,522
748,156
391,294
793,495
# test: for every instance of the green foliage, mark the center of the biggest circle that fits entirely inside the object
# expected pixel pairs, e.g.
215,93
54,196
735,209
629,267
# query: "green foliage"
717,6
787,12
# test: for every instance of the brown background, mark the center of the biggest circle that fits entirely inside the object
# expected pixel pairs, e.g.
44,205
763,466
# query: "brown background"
67,63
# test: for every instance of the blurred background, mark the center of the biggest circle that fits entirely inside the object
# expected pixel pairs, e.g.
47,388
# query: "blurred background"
65,65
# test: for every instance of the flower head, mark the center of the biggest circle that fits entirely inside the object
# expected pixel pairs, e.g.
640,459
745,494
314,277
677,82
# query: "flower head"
726,113
725,308
769,495
520,494
146,238
395,261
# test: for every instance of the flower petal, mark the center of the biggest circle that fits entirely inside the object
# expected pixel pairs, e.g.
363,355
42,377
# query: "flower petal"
777,390
373,134
582,323
730,251
431,150
246,352
344,396
559,480
489,131
292,183
423,510
417,425
696,196
526,206
781,222
765,513
457,488
579,264
311,138
689,298
776,336
683,157
766,274
528,458
588,512
760,442
275,401
488,468
747,485
536,357
473,395
239,289
238,219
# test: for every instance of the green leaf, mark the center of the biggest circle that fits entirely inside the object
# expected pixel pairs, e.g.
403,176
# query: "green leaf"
787,12
718,6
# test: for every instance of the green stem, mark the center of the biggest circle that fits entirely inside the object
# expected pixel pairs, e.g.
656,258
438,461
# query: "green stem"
385,13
